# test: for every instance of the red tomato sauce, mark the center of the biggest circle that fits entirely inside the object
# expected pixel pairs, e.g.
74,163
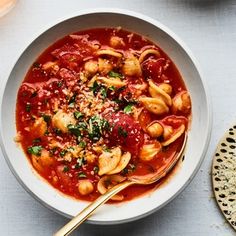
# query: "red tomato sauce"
56,82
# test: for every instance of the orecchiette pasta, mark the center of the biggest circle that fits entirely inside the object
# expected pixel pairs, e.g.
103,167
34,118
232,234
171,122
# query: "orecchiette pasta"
154,105
108,161
109,52
175,135
109,181
148,51
124,160
149,151
157,92
116,82
166,88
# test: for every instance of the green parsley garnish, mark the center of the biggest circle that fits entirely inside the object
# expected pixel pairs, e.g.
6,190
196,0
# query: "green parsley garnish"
122,132
72,101
35,150
82,175
46,117
115,74
66,169
82,144
63,153
128,109
106,149
59,84
36,64
74,129
80,162
78,115
95,169
28,107
37,140
103,92
112,88
97,126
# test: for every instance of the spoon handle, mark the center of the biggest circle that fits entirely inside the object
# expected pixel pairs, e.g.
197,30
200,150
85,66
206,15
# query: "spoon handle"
84,214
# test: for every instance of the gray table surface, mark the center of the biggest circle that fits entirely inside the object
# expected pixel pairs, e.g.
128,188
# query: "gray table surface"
209,29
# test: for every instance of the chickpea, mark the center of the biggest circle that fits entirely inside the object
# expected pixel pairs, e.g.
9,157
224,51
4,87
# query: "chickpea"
116,41
168,131
104,66
155,130
85,187
181,102
91,67
40,126
166,88
131,67
149,151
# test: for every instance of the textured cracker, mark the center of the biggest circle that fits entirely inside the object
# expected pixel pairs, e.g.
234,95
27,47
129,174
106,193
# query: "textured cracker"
224,175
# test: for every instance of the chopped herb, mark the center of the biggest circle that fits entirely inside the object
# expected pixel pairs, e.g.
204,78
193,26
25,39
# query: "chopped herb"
97,126
125,171
70,148
115,74
28,107
72,100
36,64
74,129
95,169
82,125
122,132
119,90
66,169
82,144
82,175
52,151
46,118
132,167
78,115
95,88
63,153
80,162
35,150
71,105
45,101
128,109
34,94
57,131
106,149
59,84
46,132
112,88
37,140
103,92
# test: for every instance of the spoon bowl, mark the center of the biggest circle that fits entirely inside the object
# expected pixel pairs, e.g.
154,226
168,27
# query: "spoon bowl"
134,179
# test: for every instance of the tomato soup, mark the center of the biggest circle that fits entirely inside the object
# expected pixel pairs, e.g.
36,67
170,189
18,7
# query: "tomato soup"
98,106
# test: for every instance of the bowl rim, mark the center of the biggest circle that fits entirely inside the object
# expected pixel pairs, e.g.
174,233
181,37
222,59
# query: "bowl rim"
147,19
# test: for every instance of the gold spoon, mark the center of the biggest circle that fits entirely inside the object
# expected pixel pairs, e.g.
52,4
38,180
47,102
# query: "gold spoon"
143,180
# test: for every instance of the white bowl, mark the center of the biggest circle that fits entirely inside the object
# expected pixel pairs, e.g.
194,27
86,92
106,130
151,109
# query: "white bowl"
198,136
